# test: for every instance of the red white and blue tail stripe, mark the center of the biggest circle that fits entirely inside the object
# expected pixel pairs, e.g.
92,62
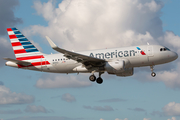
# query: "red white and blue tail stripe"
24,50
21,45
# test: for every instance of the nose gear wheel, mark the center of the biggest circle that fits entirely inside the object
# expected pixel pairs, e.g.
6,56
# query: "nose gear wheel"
153,74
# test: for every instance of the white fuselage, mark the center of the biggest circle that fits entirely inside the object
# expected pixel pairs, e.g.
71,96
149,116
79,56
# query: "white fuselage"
146,55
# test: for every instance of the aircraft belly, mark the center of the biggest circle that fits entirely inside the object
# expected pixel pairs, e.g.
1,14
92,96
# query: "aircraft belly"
65,67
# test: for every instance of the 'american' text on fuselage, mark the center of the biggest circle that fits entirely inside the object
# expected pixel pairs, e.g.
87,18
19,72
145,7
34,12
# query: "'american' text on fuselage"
114,54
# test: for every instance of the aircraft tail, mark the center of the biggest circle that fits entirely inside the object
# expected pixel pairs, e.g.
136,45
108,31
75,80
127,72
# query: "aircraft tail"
24,50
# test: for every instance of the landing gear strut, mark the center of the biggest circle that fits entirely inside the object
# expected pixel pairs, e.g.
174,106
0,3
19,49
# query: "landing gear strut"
99,80
153,74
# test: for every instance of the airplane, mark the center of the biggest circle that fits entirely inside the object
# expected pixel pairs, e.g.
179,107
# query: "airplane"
116,61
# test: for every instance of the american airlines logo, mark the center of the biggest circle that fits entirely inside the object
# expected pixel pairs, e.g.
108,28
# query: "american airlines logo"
117,54
141,51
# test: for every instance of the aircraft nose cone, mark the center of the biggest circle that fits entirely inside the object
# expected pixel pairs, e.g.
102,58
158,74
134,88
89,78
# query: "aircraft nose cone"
175,55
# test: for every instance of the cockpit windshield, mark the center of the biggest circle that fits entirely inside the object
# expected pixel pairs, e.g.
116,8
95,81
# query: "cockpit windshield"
165,49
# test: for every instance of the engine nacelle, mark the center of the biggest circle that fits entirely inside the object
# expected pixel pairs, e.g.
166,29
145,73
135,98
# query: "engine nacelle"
115,67
127,72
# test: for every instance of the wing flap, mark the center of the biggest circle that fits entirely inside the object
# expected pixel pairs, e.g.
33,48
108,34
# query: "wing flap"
24,63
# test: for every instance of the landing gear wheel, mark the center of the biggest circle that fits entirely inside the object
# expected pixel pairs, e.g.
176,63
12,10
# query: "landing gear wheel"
99,80
92,78
153,74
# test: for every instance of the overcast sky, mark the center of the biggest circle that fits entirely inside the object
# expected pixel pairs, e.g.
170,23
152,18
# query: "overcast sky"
85,25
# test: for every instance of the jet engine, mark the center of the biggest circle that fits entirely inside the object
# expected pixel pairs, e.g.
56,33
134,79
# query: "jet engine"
126,72
115,67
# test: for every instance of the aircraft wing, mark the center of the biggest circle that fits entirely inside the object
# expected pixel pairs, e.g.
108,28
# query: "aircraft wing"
86,60
24,63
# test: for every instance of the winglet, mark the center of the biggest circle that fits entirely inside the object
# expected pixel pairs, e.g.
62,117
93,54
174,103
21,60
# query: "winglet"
53,45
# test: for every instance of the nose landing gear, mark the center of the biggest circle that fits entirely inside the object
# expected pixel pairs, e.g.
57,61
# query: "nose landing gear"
153,74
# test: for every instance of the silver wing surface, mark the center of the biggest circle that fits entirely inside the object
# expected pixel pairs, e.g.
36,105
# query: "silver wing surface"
84,59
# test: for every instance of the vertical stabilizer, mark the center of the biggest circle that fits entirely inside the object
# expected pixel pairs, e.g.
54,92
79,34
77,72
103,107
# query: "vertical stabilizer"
24,50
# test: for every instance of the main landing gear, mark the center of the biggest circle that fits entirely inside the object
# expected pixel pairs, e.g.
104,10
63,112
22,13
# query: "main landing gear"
99,80
153,74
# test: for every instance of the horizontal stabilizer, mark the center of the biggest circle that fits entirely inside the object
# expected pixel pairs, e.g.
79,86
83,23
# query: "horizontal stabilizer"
24,63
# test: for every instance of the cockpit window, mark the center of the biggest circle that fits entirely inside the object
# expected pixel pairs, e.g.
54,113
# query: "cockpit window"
165,49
